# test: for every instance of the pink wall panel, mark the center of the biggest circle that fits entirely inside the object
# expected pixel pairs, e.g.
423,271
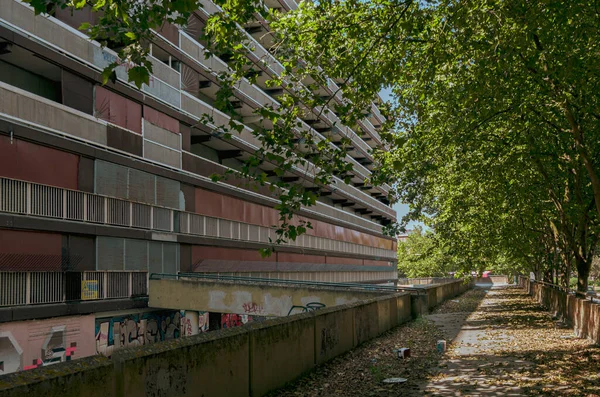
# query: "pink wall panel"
301,258
118,110
28,251
160,119
35,163
343,261
200,252
30,344
222,206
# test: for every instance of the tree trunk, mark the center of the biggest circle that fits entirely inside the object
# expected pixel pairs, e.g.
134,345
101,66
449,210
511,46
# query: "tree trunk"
583,273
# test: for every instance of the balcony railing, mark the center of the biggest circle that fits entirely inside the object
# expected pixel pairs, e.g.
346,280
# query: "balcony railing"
30,288
29,198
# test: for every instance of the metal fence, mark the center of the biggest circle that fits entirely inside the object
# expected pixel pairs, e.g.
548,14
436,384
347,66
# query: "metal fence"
29,288
424,280
29,198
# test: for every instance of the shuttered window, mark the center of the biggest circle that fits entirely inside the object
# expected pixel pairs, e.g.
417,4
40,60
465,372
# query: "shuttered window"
155,258
141,186
170,258
127,183
111,179
110,253
137,255
167,192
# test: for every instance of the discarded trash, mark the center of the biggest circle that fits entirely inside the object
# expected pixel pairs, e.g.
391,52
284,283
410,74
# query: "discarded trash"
394,380
568,337
441,346
455,300
404,352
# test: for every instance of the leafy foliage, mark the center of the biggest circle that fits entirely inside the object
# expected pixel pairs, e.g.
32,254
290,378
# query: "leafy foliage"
423,255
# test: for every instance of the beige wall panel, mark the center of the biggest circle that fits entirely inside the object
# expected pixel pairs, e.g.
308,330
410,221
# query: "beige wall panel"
161,154
160,135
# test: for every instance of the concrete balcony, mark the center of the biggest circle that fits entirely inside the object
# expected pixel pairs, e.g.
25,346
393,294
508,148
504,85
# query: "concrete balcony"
36,110
63,38
32,199
35,288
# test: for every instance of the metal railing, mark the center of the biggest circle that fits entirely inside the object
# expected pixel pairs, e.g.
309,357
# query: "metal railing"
275,281
425,280
28,198
591,295
30,288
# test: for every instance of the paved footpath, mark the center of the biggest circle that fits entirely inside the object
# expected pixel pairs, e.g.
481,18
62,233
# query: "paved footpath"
509,346
500,343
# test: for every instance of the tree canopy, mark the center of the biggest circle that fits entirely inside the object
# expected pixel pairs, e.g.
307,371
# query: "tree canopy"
492,135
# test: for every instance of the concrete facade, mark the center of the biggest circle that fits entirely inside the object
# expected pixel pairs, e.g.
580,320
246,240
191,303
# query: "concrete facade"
103,184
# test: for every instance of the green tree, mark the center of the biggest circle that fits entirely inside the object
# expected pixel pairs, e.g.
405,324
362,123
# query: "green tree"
422,255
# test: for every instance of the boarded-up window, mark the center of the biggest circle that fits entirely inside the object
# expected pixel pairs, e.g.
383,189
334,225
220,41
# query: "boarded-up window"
170,258
30,251
118,110
80,253
155,258
160,119
170,32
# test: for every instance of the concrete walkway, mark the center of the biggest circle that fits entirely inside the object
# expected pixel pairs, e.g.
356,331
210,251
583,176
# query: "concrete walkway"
500,343
469,367
508,347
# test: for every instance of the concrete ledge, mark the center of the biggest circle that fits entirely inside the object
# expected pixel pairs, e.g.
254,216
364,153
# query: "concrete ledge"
31,312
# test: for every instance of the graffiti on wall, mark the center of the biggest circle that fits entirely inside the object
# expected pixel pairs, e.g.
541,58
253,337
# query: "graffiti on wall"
236,320
136,329
146,328
251,307
309,307
193,322
33,345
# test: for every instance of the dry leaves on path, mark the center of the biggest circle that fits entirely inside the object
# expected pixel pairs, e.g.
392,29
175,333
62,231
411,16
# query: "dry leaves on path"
361,371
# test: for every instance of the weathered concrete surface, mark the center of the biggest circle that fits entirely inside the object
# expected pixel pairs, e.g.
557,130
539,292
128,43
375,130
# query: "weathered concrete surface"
465,370
248,298
245,361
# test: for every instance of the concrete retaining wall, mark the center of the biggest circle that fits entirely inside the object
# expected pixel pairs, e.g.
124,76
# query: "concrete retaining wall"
245,361
492,280
581,314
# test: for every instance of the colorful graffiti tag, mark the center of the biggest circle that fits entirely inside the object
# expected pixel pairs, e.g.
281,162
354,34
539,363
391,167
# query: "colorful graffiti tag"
136,329
193,322
236,320
146,328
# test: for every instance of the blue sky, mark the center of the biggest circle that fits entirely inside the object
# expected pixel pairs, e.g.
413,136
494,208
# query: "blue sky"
400,208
